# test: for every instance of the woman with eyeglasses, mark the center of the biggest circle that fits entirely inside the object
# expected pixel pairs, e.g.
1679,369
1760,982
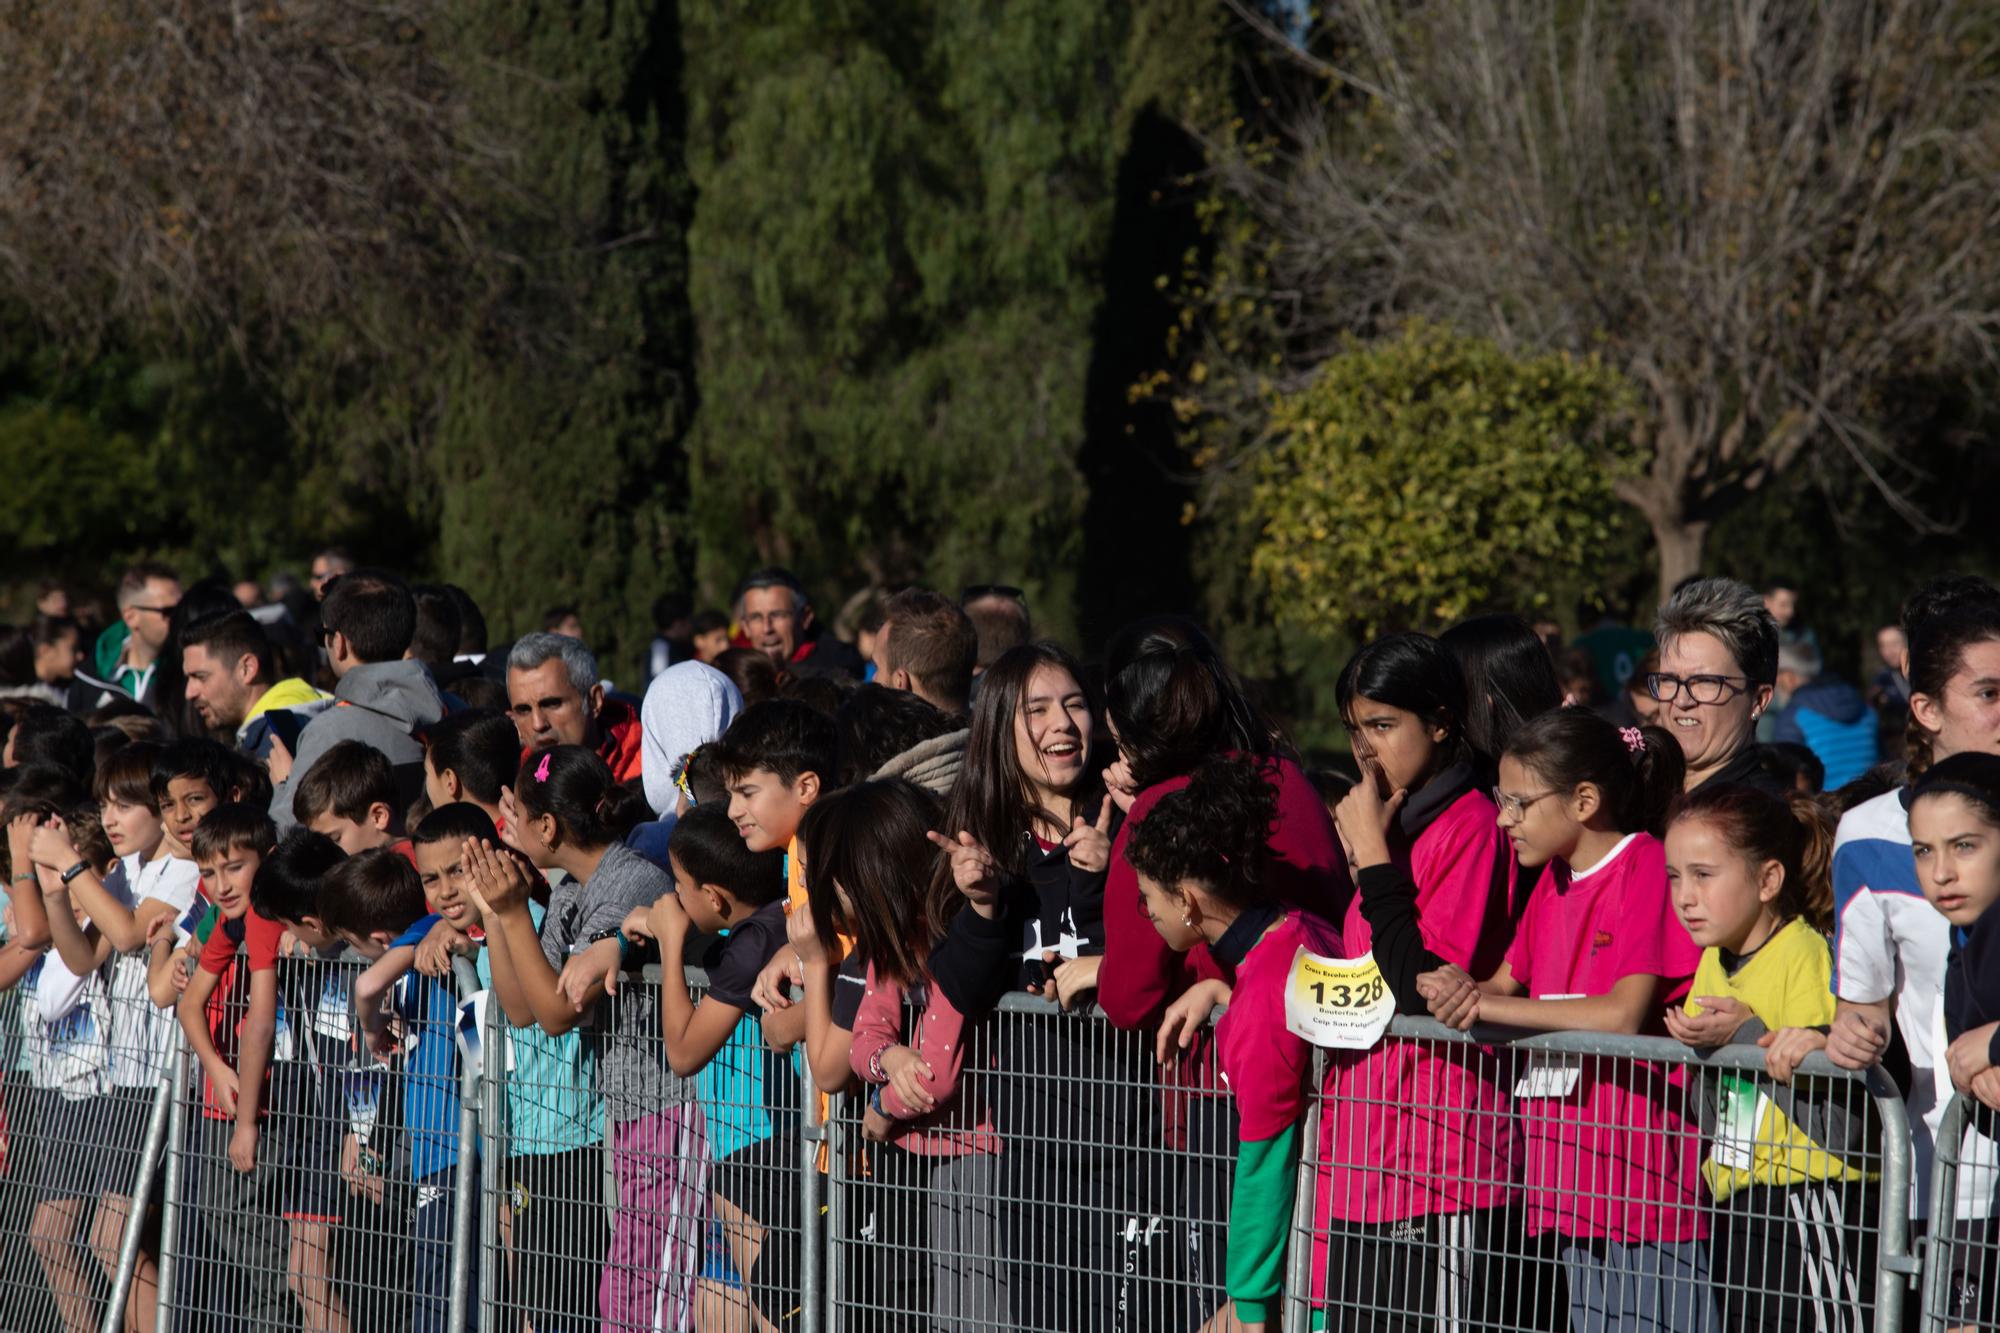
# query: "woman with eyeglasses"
1419,1147
1718,665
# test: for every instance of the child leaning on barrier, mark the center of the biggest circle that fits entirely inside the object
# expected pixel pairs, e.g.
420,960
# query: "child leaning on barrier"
1793,1224
565,812
374,901
229,1013
1955,835
1611,1161
323,1102
1201,858
67,1023
1434,879
721,885
869,866
554,1124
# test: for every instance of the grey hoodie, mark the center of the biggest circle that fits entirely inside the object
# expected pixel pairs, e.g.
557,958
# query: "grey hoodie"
381,704
687,706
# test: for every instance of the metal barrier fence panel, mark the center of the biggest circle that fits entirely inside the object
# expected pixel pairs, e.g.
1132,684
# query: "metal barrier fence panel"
1071,1185
1594,1182
347,1208
1492,1181
81,1063
628,1198
1962,1253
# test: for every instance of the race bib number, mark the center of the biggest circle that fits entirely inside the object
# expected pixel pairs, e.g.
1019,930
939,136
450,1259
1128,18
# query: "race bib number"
1341,1003
1738,1119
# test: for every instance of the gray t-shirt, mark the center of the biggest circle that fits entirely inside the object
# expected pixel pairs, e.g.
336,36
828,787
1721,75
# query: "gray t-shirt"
632,1068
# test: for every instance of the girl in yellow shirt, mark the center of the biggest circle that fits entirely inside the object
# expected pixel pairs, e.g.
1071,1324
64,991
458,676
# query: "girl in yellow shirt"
1792,1234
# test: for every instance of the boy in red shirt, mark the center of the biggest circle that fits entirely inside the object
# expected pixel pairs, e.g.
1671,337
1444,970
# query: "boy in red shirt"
229,1012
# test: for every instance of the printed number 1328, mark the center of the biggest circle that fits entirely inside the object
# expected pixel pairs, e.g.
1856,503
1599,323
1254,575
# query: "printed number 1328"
1340,995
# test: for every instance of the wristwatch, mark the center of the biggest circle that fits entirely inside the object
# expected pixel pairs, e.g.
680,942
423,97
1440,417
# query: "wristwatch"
75,870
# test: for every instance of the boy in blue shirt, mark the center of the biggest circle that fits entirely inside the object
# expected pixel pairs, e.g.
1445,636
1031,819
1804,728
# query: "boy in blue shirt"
375,902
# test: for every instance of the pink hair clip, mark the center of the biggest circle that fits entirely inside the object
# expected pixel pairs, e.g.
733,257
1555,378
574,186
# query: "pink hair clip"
542,770
1635,739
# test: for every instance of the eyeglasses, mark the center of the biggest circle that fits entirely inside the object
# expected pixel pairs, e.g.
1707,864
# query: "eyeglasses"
1514,807
156,610
978,590
1701,689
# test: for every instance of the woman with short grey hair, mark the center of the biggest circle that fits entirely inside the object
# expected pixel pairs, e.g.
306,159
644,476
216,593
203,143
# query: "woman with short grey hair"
1718,663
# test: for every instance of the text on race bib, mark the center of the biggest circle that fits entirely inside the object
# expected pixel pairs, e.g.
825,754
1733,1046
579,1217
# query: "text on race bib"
1341,1003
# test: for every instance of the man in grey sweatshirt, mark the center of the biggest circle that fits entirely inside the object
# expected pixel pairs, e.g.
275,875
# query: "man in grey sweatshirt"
381,698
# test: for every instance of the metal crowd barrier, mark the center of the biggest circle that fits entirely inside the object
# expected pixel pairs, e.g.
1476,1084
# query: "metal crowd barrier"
1447,1181
1962,1259
1499,1180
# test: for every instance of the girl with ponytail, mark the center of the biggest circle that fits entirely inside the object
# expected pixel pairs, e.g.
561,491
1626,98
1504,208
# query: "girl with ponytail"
1203,863
1610,1155
566,812
1889,944
1750,875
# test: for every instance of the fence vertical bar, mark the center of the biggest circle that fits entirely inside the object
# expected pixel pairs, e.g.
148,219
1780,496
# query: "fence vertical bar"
1297,1316
1895,1266
140,1197
174,1186
836,1212
812,1236
1936,1274
494,1193
465,1187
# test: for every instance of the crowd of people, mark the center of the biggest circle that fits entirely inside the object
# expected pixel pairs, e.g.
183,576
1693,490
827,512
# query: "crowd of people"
868,844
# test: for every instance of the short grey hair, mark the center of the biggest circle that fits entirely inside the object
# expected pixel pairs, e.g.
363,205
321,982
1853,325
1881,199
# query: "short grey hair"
1801,658
530,651
1734,613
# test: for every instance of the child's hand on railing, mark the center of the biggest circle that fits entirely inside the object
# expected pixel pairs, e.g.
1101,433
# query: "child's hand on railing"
773,988
1785,1048
590,973
435,950
1713,1026
1858,1037
907,1070
1453,996
1185,1017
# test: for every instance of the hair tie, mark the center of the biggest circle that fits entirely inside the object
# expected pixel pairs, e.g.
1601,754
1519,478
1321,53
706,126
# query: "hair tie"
542,770
602,801
1635,739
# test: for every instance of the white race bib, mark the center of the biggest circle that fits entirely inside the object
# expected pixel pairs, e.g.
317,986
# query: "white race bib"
1738,1120
1341,1003
1549,1076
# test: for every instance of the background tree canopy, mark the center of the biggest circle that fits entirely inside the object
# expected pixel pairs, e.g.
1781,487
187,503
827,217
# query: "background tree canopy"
593,303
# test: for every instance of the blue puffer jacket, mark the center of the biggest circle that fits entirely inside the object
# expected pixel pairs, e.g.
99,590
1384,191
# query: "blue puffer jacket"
1829,717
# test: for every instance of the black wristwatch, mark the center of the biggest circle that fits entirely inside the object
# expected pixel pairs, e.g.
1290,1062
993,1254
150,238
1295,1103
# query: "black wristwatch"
75,870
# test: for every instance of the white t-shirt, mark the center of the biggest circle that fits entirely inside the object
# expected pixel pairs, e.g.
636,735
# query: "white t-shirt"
143,1033
67,1026
1888,941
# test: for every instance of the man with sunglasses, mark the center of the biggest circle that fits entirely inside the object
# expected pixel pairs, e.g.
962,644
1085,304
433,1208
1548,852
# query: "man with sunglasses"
128,653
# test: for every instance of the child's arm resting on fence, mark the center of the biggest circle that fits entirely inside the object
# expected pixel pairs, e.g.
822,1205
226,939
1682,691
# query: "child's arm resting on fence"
692,1032
192,1011
253,1058
370,988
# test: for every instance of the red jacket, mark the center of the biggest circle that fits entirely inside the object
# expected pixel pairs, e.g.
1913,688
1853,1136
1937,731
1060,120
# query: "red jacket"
618,734
1140,974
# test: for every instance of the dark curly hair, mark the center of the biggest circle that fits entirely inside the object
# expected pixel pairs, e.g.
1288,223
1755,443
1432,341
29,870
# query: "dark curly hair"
1214,831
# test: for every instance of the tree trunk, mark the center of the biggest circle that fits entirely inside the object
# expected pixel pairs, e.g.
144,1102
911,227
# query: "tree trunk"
1679,542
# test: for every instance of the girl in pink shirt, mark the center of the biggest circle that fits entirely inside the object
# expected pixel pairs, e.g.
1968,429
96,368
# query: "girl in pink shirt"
1612,1156
1203,869
1419,1152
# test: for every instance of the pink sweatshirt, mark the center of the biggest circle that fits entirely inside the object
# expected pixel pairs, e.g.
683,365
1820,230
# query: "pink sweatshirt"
961,1124
1140,975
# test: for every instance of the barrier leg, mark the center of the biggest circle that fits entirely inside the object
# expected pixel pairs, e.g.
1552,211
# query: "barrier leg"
142,1195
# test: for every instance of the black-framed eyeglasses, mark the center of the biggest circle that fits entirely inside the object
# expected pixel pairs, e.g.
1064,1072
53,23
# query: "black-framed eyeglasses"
1701,689
156,610
1514,807
978,590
